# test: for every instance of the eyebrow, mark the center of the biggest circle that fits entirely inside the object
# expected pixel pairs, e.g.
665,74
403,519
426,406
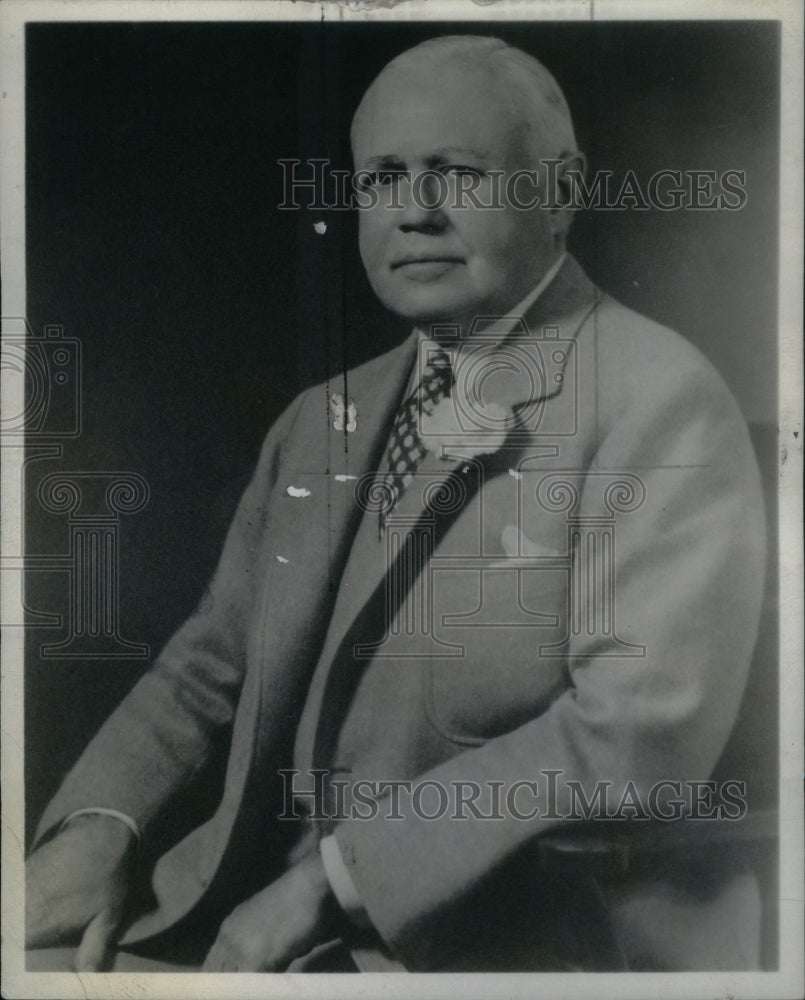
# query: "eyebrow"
449,153
395,161
389,160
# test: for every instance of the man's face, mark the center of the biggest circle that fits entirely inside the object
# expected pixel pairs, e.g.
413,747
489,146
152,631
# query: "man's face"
456,261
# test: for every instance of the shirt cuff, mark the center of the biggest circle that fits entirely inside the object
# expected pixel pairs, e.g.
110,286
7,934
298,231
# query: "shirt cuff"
341,882
103,811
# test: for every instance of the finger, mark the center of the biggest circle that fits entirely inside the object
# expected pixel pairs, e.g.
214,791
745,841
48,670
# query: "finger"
95,951
219,961
41,910
38,932
49,923
213,961
223,958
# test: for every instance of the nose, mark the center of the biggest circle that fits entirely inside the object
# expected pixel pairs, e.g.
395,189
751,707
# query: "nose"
422,198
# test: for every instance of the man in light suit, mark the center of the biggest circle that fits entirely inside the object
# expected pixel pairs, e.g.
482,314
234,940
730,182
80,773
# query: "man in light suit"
522,550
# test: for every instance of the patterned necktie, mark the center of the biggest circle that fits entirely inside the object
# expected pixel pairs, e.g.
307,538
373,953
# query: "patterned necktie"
406,449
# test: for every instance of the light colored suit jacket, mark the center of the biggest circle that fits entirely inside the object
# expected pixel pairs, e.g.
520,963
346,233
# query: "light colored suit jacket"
519,666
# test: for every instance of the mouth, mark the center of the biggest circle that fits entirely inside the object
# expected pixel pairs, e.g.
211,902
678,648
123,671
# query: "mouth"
426,259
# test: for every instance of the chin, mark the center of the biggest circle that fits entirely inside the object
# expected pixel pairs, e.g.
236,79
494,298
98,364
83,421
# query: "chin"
424,309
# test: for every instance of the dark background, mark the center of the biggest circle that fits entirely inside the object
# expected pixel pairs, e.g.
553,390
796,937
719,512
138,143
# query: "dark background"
153,236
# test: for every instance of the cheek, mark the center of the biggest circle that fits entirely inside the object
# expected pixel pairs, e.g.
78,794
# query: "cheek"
490,262
370,237
505,243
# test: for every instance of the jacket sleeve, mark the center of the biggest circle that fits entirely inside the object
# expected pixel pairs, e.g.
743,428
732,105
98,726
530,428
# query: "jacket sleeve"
689,567
164,731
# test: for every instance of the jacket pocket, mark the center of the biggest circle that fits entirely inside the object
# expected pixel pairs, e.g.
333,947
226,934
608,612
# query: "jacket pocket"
501,680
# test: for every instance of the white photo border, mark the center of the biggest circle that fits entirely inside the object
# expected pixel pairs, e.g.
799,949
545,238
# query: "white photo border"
788,980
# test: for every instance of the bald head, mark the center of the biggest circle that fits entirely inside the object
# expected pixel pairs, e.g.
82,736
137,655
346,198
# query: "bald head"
525,91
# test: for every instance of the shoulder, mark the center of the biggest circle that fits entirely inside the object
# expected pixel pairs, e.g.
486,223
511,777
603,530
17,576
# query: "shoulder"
651,400
369,381
302,431
641,366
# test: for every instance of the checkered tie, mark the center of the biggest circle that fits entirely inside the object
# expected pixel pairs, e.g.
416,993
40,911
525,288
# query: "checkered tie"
406,449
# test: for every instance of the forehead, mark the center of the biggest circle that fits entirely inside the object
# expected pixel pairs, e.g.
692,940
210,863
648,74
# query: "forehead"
415,109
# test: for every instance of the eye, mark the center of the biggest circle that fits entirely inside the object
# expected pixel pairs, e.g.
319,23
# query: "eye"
366,179
463,169
387,177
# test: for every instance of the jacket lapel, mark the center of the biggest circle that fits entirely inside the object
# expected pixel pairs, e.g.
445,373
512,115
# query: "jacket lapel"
375,389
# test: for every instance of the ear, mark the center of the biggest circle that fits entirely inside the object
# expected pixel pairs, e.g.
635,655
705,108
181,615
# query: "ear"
573,165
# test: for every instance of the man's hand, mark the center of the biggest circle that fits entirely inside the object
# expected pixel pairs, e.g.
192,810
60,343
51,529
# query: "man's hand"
284,921
76,886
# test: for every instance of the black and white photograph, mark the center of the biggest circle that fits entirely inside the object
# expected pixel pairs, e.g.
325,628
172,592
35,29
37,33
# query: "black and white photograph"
402,454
